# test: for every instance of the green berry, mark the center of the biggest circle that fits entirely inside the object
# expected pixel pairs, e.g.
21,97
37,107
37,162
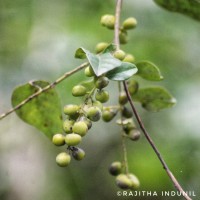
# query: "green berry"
123,181
123,38
126,112
119,54
89,71
93,113
101,46
108,114
71,109
127,127
101,82
78,91
80,128
78,153
87,121
108,21
129,23
67,125
58,139
63,159
134,134
133,86
102,96
72,139
129,58
123,98
115,168
98,104
135,183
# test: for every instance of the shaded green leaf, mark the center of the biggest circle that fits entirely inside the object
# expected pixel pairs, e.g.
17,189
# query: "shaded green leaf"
109,48
190,8
123,72
154,98
42,112
148,71
101,63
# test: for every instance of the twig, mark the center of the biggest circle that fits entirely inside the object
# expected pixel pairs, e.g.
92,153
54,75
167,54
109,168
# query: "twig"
41,90
166,168
116,41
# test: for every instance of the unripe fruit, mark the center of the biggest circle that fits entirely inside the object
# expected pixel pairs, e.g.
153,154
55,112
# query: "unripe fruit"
126,112
101,46
78,91
98,104
72,139
78,154
108,21
80,128
129,23
123,37
133,86
134,134
115,168
63,159
71,109
101,82
67,125
128,127
58,139
89,71
87,121
93,113
102,96
119,54
135,183
123,98
129,58
123,181
108,114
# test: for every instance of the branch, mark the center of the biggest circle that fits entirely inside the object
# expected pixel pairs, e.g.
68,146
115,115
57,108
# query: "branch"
41,90
166,168
169,173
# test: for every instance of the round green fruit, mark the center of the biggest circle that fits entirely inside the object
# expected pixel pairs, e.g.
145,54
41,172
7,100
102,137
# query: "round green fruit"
126,112
129,58
115,168
119,54
89,71
133,86
78,153
123,181
108,21
101,82
135,183
134,134
78,91
67,125
108,114
98,104
102,96
123,98
72,139
93,113
58,139
87,121
71,109
101,46
129,23
123,37
80,128
63,159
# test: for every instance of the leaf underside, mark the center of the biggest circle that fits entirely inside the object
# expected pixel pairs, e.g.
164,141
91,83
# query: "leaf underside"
189,8
42,112
154,98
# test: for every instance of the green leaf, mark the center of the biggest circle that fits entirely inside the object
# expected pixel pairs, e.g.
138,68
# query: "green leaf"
154,98
123,72
100,63
148,71
42,112
190,8
109,48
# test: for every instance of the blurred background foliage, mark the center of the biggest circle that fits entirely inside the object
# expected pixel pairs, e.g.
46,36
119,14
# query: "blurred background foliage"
38,40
